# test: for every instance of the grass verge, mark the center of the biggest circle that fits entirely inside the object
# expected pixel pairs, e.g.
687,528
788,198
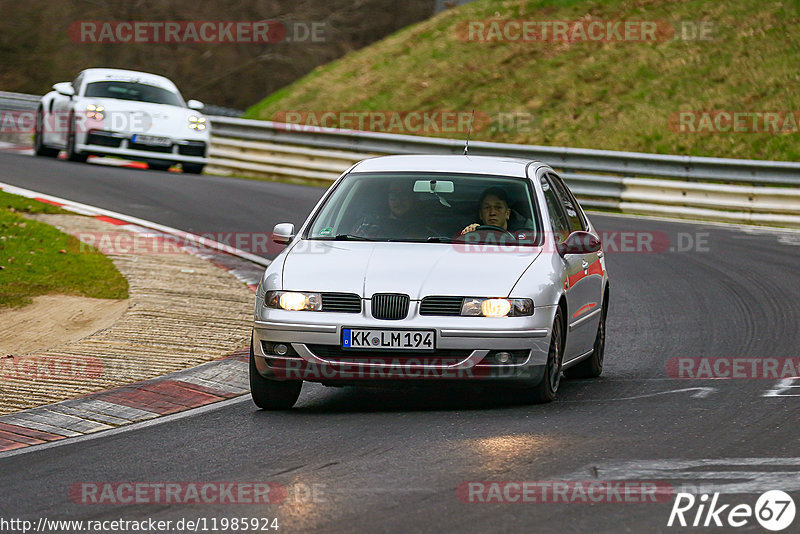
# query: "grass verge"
38,259
616,95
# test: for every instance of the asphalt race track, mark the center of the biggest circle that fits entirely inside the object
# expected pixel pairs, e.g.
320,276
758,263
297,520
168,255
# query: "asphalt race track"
392,460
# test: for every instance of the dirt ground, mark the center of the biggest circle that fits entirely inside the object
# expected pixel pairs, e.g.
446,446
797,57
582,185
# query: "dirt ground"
183,310
52,320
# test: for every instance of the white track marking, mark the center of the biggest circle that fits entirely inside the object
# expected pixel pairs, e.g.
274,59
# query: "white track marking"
783,385
128,428
93,210
723,475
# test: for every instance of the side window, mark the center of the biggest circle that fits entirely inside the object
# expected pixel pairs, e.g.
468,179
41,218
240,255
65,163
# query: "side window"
555,210
571,209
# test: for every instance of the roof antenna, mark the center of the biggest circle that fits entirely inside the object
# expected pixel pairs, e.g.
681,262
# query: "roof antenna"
466,146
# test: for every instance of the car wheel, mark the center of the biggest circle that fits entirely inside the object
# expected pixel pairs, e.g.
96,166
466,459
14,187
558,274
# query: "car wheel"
592,366
193,168
272,394
159,166
545,390
72,154
39,148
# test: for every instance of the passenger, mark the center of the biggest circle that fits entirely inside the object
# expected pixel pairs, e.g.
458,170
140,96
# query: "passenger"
402,221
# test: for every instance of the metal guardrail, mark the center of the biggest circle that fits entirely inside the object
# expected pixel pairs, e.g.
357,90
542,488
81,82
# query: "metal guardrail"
731,190
18,101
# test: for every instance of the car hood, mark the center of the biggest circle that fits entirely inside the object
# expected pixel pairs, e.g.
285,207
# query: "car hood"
416,269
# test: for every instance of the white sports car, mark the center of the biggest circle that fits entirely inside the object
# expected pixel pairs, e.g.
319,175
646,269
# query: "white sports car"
113,112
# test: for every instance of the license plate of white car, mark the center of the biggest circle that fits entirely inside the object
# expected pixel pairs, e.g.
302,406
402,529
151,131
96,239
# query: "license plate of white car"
151,140
355,338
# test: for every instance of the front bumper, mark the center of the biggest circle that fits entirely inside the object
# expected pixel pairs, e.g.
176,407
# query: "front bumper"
110,143
465,348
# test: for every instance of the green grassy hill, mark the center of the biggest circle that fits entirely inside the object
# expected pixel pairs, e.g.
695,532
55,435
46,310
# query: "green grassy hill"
619,95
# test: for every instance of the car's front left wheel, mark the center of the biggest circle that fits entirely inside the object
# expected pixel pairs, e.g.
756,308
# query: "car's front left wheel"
592,366
545,390
272,394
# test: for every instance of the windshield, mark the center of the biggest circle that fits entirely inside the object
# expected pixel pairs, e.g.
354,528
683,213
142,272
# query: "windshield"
429,207
138,92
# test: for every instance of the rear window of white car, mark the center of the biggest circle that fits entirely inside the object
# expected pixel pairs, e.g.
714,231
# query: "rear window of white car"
138,92
421,207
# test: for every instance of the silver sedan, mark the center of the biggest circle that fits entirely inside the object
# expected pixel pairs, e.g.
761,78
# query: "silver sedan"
433,268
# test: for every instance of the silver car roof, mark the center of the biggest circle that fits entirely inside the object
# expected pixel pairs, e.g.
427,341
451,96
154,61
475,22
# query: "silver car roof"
501,166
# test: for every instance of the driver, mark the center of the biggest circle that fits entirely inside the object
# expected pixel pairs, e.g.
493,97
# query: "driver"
493,210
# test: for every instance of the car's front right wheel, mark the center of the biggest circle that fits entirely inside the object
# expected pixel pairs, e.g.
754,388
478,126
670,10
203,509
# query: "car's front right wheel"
72,152
39,148
272,394
193,168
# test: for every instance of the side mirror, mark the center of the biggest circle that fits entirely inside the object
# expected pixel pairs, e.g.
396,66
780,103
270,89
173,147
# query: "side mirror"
64,88
283,233
195,104
579,243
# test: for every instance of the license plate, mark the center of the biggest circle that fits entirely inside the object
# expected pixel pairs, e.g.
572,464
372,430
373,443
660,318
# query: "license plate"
353,338
151,140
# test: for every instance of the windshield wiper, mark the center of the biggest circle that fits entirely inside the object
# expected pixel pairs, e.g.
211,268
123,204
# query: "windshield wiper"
438,239
351,237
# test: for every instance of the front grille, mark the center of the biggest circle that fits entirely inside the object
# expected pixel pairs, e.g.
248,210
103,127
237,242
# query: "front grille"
150,148
341,302
441,305
335,353
192,148
390,306
100,139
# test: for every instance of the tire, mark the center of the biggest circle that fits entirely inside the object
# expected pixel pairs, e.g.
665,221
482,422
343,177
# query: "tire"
193,168
272,394
39,148
159,166
546,389
72,154
592,367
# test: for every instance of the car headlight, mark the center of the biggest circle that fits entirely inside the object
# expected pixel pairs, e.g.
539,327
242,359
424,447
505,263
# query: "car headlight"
293,300
495,307
197,123
94,111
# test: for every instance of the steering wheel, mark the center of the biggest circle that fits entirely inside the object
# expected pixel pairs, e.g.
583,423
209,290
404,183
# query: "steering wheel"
494,229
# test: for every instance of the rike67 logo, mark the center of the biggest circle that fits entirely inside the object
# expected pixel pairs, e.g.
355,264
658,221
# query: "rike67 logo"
774,510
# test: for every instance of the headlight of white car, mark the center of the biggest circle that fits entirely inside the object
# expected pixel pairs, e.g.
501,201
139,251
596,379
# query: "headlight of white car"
495,307
197,123
293,300
94,111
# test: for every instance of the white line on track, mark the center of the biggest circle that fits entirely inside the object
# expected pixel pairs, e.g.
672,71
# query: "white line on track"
86,208
128,428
